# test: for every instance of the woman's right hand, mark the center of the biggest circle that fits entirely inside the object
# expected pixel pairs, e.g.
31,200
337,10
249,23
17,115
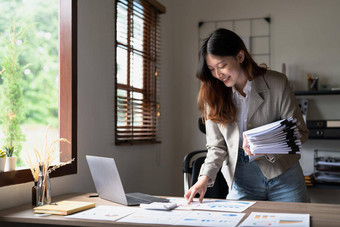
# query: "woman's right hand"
199,187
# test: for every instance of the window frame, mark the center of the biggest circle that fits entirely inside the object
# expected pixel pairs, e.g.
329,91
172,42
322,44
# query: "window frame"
149,90
68,98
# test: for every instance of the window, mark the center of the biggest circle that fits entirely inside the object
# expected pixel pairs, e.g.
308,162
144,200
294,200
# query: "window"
67,97
137,71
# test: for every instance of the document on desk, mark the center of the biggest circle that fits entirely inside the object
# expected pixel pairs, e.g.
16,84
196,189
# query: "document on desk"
206,218
276,219
103,212
225,205
182,204
182,217
213,205
155,217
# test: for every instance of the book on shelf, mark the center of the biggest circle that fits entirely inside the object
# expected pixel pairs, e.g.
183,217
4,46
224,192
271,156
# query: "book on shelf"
64,207
279,137
309,179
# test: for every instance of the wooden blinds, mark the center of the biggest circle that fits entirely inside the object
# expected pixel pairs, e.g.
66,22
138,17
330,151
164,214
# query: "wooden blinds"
137,109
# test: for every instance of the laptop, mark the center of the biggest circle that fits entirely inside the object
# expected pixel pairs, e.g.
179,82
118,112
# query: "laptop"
109,186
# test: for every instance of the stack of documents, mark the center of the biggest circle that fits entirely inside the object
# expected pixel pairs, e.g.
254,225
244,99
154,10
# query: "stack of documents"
279,137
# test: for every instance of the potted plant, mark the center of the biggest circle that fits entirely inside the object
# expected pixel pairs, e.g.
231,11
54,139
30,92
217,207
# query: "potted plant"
11,160
2,160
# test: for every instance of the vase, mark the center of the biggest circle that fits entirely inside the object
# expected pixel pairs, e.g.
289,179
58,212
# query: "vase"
2,164
43,187
11,163
34,193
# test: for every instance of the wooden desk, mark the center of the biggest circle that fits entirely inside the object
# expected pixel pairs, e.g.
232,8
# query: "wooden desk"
321,214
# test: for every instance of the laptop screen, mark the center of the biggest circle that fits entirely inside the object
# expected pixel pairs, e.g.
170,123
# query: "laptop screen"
106,179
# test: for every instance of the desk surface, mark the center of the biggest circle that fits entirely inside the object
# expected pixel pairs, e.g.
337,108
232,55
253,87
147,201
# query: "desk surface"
321,214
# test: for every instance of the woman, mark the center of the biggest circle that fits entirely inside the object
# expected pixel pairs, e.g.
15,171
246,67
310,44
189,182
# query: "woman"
236,95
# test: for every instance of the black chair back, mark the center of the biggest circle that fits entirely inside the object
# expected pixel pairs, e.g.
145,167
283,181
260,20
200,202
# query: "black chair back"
191,167
220,188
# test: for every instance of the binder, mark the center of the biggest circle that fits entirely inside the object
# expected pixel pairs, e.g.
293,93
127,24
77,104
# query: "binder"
323,123
324,133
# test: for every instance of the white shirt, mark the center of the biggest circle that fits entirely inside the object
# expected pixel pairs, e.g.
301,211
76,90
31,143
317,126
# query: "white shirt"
242,104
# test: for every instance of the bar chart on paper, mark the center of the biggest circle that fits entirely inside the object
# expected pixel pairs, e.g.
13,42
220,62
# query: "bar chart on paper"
229,206
212,205
276,219
204,218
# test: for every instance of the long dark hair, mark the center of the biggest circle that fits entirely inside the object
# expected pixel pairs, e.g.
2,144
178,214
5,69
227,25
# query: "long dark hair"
213,92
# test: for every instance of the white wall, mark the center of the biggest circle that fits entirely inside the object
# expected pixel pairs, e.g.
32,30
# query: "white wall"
143,168
305,36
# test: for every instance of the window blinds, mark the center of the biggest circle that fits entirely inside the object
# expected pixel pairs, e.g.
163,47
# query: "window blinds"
137,109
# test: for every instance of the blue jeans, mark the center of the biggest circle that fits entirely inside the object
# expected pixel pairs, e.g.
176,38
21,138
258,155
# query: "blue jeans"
251,184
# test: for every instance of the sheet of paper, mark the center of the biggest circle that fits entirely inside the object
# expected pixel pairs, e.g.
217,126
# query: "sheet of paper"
182,204
206,218
107,213
155,217
212,205
225,205
277,219
336,163
328,176
265,128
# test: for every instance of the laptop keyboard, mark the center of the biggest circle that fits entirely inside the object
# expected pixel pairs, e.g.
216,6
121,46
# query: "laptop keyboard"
132,200
143,198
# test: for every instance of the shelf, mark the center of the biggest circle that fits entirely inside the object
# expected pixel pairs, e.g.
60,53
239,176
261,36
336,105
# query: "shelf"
326,169
322,92
323,138
325,185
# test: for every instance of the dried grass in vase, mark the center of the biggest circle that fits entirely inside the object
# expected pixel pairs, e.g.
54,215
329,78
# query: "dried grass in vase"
46,156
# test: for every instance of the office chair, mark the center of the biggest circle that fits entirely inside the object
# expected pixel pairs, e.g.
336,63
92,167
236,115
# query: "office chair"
191,167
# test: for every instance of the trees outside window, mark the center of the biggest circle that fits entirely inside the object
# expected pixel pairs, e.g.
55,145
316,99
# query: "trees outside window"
47,66
29,81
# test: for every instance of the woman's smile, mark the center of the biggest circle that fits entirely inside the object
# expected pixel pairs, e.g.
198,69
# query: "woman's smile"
226,69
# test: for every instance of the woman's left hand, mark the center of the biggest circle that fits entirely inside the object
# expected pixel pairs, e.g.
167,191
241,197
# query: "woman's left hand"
245,145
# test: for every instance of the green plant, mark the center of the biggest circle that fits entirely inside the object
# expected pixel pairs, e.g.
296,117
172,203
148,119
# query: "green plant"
40,47
2,154
11,102
9,150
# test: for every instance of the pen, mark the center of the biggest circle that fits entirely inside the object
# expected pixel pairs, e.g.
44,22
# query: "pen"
95,195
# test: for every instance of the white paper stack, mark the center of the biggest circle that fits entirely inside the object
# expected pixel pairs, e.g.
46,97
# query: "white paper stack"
279,137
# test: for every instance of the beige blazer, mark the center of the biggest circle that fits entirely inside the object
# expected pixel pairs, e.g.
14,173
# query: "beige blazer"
271,99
